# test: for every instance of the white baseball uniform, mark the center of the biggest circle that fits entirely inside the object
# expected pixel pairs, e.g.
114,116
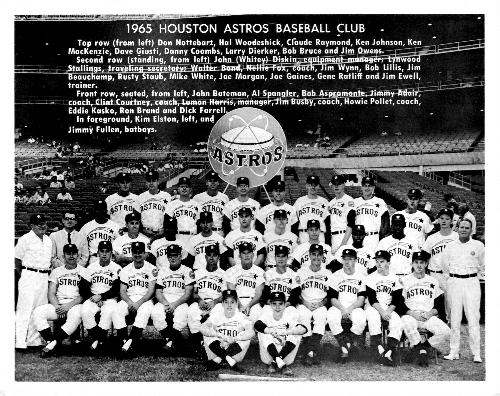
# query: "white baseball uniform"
187,214
271,239
284,283
365,257
401,251
266,215
418,225
232,208
197,244
369,214
159,250
301,254
311,209
236,237
152,208
339,209
214,205
119,207
123,244
97,232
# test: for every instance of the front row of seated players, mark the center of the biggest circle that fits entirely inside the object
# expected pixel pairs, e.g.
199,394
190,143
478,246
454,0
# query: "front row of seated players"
294,301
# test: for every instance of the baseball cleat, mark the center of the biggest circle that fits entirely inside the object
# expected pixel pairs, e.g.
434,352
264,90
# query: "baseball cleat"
451,357
308,360
126,346
49,350
230,361
237,368
423,360
212,366
387,361
344,355
271,369
477,359
287,371
280,363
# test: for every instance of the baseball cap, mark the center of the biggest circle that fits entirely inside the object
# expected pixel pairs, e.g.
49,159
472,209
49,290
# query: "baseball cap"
367,181
37,219
184,180
398,217
242,180
313,223
422,255
104,245
229,294
152,175
212,249
123,177
383,254
170,223
315,247
358,229
277,296
138,247
245,211
245,246
349,253
337,179
279,185
212,175
206,217
281,249
173,249
415,193
446,211
312,179
100,205
280,213
70,248
132,216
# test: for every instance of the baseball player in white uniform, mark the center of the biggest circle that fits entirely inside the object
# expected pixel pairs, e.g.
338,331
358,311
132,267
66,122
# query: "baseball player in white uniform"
174,287
365,256
264,219
159,246
122,245
423,302
371,211
121,202
278,236
311,207
232,208
342,214
300,256
463,262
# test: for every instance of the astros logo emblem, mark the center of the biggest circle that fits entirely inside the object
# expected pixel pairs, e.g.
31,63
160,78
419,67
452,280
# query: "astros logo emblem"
247,142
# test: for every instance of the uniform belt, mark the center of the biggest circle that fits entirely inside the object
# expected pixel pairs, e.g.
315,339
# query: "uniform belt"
42,271
338,232
372,233
185,233
463,276
436,272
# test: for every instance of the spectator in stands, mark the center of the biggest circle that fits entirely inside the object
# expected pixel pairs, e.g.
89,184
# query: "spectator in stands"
53,173
39,197
45,175
60,176
69,183
449,198
98,169
464,213
76,148
104,187
17,184
64,195
54,183
21,197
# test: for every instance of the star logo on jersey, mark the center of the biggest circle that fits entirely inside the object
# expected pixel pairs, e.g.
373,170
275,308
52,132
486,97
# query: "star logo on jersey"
256,238
342,205
410,247
431,285
368,256
288,213
290,243
393,284
377,205
359,283
146,276
421,220
323,206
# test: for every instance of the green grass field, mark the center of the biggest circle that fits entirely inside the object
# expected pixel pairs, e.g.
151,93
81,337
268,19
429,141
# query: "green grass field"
150,366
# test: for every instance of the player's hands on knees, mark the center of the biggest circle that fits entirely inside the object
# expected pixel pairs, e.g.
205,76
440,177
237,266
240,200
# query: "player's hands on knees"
246,310
61,311
345,313
168,308
100,303
386,316
95,298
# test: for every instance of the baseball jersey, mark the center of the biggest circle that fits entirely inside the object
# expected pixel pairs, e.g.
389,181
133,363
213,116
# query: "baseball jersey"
286,322
68,282
123,244
435,245
245,281
197,244
365,257
418,225
369,212
152,208
210,284
236,237
384,287
138,279
228,326
96,232
232,207
186,213
348,286
301,254
214,205
159,250
419,294
284,282
464,258
338,209
119,207
401,251
100,277
266,215
271,239
311,209
314,285
174,282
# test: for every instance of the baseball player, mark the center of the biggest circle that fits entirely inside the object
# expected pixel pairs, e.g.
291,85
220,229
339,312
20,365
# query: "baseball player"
69,235
383,291
418,224
101,228
248,281
279,335
347,299
138,281
213,201
311,207
159,246
208,286
174,287
226,334
64,302
278,236
264,219
232,208
310,298
423,302
463,262
342,214
123,201
122,245
300,256
152,204
365,256
371,211
185,210
464,213
103,283
400,246
245,234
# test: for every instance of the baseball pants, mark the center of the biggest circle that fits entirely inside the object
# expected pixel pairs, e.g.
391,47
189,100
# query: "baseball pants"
290,311
44,313
318,318
304,237
267,339
141,317
464,294
244,345
194,316
337,241
32,293
440,332
443,280
358,319
90,309
375,323
159,317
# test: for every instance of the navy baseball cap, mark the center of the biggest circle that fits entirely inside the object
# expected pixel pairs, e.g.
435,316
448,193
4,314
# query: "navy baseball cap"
245,211
184,181
358,229
245,246
132,216
383,254
398,218
206,217
312,179
212,175
280,214
367,181
105,245
212,249
446,211
415,193
422,255
337,179
313,223
229,294
70,248
279,185
37,219
123,177
242,180
315,247
138,247
281,249
152,175
173,249
100,205
277,296
349,253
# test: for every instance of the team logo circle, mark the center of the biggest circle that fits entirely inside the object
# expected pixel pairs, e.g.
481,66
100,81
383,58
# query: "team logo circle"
247,142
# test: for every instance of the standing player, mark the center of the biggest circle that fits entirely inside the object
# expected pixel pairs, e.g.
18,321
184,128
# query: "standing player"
342,214
213,201
418,224
278,330
152,204
122,245
311,207
278,236
300,256
159,246
365,256
174,287
347,299
371,211
265,216
424,302
69,235
121,202
185,210
232,208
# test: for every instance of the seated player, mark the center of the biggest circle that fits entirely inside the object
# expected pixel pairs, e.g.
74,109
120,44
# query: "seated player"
384,295
278,236
138,280
64,302
101,278
279,335
422,309
348,299
300,256
174,287
227,334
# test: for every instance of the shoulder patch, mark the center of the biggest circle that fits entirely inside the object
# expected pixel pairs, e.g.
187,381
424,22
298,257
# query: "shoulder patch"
155,272
191,274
